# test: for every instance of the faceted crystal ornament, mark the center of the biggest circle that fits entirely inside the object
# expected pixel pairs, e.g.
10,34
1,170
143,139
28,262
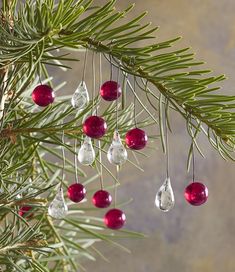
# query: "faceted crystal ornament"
115,219
94,127
102,199
80,98
86,153
196,193
110,90
165,200
43,95
76,192
136,139
58,208
117,153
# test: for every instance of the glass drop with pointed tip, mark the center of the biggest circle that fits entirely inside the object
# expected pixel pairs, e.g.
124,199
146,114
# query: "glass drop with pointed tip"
165,199
86,153
80,98
117,153
58,208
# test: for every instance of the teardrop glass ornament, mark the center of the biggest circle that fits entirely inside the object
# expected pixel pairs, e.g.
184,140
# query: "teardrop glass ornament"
117,153
58,208
165,199
86,153
80,98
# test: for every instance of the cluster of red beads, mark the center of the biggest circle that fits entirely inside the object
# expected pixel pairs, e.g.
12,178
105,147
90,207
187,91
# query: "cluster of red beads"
113,219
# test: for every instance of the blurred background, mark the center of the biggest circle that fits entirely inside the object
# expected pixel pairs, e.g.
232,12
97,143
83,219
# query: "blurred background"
187,239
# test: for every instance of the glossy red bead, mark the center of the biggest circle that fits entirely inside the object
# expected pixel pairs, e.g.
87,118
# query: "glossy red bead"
102,199
136,138
43,95
115,219
110,90
76,192
24,211
196,193
95,127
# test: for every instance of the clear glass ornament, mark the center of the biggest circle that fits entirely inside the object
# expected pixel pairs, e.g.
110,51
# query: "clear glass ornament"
117,153
58,208
86,153
165,199
80,98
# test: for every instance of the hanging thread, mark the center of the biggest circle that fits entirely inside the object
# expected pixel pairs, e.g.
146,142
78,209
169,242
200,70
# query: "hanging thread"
167,142
118,75
193,156
94,81
63,160
75,160
84,66
116,184
111,67
134,93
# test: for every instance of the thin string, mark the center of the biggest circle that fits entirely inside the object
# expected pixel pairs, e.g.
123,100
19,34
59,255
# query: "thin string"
84,66
99,142
100,70
39,77
63,158
118,75
193,156
111,67
75,160
94,80
101,166
193,162
100,76
167,146
115,185
134,93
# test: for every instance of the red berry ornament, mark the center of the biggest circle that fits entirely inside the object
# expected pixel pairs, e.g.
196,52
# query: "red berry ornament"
102,199
196,193
115,219
136,139
94,127
110,90
24,211
43,95
76,192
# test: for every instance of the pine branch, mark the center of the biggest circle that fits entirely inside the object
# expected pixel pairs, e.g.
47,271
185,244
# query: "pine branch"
29,138
188,92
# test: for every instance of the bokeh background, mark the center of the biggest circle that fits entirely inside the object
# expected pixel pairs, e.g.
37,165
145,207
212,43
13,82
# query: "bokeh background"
187,239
